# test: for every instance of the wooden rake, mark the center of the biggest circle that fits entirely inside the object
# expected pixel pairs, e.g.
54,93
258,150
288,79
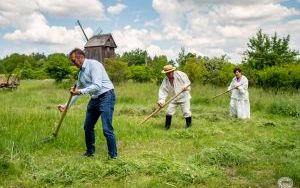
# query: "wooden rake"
225,92
62,117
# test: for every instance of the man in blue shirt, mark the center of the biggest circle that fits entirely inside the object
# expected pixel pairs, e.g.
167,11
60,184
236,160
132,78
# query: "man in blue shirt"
94,81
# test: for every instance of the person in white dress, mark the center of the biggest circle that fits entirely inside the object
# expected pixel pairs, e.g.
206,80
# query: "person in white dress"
239,103
174,83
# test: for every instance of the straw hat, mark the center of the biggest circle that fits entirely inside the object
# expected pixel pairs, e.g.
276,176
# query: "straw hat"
168,68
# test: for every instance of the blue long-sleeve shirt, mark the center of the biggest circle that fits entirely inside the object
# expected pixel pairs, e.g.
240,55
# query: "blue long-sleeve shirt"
92,80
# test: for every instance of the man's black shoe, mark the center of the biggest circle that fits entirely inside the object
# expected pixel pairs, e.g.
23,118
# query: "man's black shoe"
88,154
188,122
168,122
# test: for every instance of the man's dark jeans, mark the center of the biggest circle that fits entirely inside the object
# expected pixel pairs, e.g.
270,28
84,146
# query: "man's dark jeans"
104,106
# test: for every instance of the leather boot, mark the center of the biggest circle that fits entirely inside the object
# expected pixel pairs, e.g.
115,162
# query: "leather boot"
168,121
188,121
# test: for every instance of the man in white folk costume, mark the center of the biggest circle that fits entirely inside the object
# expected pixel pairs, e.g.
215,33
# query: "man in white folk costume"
174,83
239,103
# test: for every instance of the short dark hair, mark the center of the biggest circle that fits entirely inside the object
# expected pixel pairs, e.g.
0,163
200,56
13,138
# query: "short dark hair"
237,69
77,51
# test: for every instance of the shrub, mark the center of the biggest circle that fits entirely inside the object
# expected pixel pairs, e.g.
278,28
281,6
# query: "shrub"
225,74
286,109
278,77
273,77
117,70
195,69
140,73
58,67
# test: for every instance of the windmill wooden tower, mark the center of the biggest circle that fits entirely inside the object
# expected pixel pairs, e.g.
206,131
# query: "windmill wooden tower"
100,46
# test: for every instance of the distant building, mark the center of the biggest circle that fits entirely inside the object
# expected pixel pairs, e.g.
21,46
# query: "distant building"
100,47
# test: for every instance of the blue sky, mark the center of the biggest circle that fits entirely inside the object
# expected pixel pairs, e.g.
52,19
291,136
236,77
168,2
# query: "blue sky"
206,27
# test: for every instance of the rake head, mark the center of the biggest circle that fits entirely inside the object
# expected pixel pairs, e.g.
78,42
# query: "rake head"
48,139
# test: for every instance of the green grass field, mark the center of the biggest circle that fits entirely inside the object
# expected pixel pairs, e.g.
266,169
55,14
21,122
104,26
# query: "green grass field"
218,151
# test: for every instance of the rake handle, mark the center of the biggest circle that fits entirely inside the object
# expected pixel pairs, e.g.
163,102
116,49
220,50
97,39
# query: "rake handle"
161,107
62,117
225,92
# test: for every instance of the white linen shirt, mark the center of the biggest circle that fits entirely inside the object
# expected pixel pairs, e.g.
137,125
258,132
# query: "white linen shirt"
242,92
180,80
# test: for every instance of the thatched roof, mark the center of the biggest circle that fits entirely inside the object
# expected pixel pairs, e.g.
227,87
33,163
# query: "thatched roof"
101,40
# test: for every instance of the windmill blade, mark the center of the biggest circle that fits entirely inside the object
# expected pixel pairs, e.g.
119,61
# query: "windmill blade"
99,31
78,22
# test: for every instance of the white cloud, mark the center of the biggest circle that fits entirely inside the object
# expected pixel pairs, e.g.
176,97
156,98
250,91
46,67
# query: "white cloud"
171,12
250,13
213,27
129,38
49,35
152,23
155,50
205,27
116,9
71,8
32,27
17,13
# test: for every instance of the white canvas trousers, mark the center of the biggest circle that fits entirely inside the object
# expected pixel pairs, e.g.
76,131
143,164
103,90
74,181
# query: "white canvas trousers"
185,108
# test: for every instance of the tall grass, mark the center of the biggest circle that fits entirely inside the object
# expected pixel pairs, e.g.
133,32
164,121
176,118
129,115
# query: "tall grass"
217,151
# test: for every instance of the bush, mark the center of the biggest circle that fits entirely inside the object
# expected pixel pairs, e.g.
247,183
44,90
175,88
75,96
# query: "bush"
195,69
225,74
140,73
294,75
117,70
277,77
214,66
286,109
250,73
58,67
273,77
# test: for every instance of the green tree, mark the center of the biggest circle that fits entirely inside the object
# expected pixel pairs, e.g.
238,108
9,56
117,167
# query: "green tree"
264,51
2,68
11,62
135,57
38,56
195,69
214,66
181,57
157,65
58,66
26,71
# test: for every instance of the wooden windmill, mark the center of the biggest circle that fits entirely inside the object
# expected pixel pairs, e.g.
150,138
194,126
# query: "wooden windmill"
99,46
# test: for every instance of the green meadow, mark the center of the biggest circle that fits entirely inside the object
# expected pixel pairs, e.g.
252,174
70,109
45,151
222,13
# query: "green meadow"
217,151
